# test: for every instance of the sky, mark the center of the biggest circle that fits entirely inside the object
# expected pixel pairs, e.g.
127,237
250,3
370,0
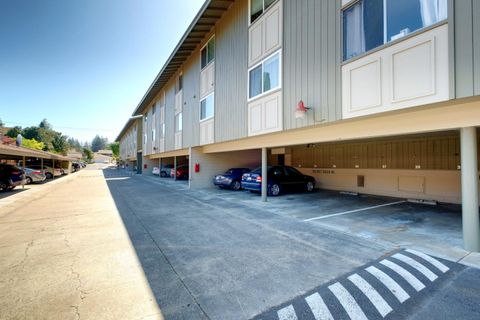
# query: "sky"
84,65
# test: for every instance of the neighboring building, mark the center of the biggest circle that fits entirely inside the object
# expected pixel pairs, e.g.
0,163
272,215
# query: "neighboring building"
130,139
392,90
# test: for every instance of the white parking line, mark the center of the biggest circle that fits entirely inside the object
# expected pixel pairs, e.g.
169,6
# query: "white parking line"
348,302
410,278
417,265
391,284
440,266
353,211
287,313
319,308
375,298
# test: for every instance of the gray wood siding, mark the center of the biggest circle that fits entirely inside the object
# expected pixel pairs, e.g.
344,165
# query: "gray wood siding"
311,60
467,47
170,116
231,61
191,101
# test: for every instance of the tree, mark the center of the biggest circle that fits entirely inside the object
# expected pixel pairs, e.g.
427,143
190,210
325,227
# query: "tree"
60,144
87,154
99,143
32,133
33,144
115,147
14,132
74,144
45,125
1,124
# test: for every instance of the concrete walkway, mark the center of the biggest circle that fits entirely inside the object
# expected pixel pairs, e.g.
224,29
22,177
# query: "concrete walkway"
65,254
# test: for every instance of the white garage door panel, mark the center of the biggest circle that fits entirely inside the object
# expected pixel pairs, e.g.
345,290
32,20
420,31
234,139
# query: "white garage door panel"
413,72
365,87
272,30
270,116
255,42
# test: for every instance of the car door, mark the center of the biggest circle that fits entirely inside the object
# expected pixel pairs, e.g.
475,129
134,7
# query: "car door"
295,179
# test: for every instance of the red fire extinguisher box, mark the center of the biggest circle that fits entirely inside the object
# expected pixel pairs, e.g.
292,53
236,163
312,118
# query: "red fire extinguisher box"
197,167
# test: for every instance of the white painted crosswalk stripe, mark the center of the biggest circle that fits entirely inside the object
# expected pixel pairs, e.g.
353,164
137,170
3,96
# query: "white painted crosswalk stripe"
287,313
348,302
417,265
440,266
318,307
410,278
388,282
375,298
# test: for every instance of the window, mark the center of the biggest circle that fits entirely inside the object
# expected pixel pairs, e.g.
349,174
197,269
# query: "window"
163,130
153,134
153,109
207,54
180,83
258,7
371,23
265,77
178,122
207,107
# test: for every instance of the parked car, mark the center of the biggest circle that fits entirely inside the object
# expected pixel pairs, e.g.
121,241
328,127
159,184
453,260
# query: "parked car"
232,178
76,167
48,171
279,179
33,175
181,173
166,170
10,177
156,171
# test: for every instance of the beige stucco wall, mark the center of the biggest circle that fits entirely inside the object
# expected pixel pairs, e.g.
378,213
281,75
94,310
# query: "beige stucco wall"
212,164
439,185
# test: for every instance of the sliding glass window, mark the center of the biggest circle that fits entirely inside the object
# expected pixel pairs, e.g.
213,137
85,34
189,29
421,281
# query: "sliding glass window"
368,24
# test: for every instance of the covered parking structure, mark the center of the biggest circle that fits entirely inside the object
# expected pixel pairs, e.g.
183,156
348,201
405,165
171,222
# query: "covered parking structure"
24,156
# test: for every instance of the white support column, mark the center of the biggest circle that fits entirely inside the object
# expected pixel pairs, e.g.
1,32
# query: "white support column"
264,174
470,219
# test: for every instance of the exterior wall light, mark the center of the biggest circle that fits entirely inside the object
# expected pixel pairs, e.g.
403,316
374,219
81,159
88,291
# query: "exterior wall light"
301,111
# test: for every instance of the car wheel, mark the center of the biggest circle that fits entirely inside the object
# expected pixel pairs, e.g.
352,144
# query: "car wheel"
236,185
3,186
49,175
163,174
275,190
309,186
29,180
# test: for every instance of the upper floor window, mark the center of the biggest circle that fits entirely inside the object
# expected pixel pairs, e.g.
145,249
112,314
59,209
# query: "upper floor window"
265,76
153,134
179,83
208,53
178,122
207,107
368,24
258,7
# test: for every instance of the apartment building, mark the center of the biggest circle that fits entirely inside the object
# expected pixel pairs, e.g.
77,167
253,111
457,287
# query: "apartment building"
370,96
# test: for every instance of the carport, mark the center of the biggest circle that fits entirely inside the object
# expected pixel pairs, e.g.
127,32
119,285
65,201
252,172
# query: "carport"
175,158
17,155
436,167
204,166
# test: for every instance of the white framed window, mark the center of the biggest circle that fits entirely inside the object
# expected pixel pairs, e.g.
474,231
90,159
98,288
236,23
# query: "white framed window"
368,24
179,86
265,76
178,122
258,7
207,107
207,54
163,130
153,134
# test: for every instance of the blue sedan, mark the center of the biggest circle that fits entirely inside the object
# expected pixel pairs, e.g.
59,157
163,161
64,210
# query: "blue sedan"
231,179
280,179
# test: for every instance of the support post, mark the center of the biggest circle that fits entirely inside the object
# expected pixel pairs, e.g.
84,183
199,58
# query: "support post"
53,169
41,165
175,168
24,166
469,162
264,174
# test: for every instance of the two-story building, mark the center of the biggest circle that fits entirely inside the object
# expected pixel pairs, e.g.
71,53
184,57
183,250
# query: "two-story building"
370,96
